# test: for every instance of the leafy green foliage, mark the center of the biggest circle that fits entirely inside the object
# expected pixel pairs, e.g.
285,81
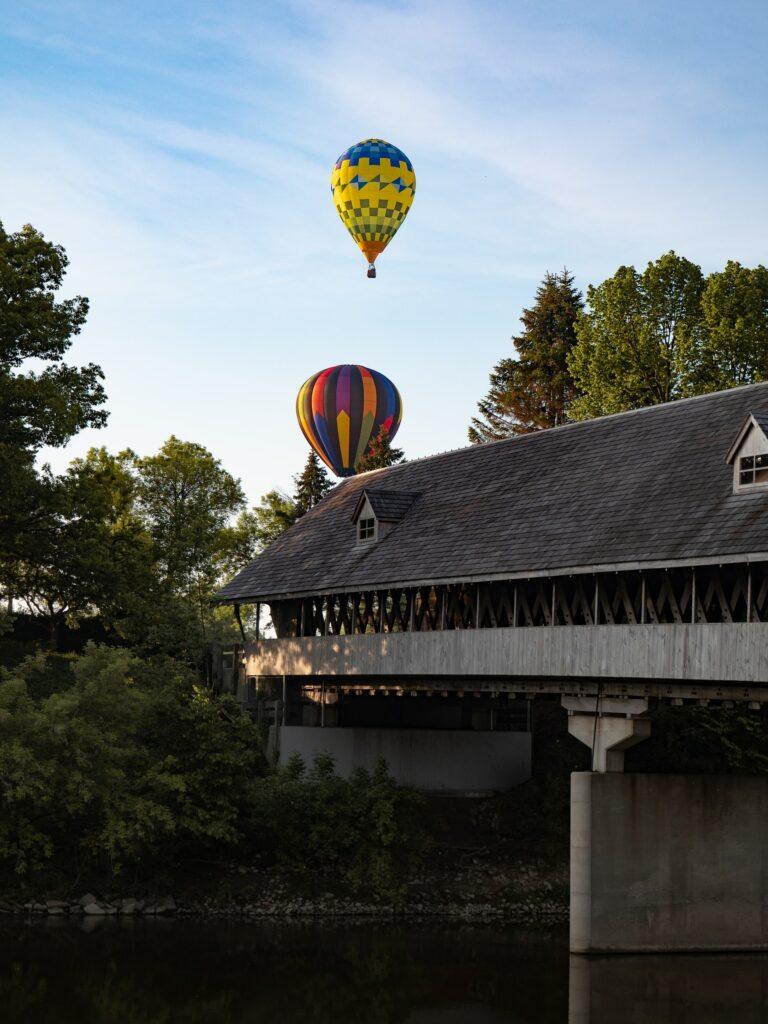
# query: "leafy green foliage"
46,403
380,453
363,832
109,762
186,499
255,530
87,549
632,337
669,333
50,406
535,390
715,740
730,345
275,514
127,763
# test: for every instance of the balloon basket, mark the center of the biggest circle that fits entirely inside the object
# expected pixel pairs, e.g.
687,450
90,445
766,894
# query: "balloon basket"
371,270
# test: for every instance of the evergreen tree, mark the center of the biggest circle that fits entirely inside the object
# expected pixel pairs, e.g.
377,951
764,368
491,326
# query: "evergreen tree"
534,390
379,454
312,484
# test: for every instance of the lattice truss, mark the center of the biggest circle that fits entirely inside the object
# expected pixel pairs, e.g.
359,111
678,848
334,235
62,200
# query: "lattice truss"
727,593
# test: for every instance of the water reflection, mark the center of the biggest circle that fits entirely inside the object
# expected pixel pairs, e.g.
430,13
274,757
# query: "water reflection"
677,989
195,972
100,971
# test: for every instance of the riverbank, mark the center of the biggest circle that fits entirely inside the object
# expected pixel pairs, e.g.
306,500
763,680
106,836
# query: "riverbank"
516,893
500,858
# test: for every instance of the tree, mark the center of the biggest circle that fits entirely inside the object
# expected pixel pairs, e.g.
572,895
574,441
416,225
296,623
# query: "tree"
50,406
187,500
124,762
88,551
312,484
44,405
635,337
272,517
534,390
730,346
379,454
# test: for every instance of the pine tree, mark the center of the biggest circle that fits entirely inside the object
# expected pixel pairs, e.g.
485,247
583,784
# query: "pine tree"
534,391
379,454
312,484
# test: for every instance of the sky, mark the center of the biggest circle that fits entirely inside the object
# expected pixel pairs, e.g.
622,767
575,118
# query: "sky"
181,152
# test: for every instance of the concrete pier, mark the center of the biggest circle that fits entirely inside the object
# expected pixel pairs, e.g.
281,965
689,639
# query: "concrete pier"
668,863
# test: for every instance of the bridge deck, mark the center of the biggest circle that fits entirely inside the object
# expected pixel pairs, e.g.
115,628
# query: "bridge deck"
717,661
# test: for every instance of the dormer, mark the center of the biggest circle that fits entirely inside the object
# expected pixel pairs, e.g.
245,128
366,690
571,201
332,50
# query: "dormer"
377,512
749,455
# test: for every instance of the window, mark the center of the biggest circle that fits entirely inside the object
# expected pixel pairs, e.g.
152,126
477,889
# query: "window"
753,469
366,528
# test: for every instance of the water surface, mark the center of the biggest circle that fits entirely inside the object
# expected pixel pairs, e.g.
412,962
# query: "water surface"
134,971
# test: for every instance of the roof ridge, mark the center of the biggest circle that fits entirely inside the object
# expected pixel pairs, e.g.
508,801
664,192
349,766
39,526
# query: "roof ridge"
566,426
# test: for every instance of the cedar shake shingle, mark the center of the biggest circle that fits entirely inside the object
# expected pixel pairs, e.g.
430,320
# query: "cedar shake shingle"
647,486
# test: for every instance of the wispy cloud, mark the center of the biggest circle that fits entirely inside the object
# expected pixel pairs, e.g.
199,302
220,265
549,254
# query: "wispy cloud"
182,154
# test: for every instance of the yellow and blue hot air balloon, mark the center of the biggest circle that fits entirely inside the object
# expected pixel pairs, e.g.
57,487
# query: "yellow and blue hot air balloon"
373,186
341,409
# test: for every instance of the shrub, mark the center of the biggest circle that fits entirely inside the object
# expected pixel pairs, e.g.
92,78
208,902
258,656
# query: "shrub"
322,830
126,762
109,761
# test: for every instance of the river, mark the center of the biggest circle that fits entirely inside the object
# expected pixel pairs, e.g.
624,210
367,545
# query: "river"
192,971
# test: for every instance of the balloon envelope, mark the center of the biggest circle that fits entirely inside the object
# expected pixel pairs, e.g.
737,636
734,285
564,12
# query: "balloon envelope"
342,408
373,186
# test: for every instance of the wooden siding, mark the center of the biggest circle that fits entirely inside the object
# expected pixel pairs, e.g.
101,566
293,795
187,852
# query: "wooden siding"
553,658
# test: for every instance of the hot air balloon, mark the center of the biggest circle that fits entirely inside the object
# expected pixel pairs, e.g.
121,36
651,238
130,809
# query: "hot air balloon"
342,408
373,186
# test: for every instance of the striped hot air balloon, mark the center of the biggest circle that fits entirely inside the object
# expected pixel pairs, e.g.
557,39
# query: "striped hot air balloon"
342,408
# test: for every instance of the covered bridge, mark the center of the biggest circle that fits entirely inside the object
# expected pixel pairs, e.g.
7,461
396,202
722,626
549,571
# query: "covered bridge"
622,558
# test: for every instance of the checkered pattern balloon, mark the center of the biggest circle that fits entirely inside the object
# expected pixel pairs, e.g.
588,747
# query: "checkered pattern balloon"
341,409
373,186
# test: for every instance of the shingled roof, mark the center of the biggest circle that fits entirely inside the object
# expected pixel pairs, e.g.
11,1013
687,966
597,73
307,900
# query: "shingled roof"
387,506
648,487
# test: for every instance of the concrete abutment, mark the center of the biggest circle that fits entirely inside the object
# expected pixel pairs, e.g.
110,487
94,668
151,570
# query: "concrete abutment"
668,863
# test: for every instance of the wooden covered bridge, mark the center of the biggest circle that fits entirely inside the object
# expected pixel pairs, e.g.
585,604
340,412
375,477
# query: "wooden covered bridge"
625,556
611,562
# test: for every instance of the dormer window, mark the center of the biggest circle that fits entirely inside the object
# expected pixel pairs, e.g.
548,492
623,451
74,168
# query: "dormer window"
753,470
366,529
379,511
749,455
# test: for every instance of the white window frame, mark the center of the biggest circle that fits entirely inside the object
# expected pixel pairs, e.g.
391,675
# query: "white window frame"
368,523
753,484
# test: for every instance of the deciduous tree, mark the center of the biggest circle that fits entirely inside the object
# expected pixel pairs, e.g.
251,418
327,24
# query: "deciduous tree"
634,337
42,404
730,344
187,500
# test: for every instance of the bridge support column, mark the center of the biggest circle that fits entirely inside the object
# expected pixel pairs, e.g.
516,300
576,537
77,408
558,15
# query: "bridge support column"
608,726
668,863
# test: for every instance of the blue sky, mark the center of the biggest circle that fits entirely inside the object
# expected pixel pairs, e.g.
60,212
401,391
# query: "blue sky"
181,152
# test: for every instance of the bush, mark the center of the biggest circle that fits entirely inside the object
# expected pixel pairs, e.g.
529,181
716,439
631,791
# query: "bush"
713,740
322,830
126,762
108,762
